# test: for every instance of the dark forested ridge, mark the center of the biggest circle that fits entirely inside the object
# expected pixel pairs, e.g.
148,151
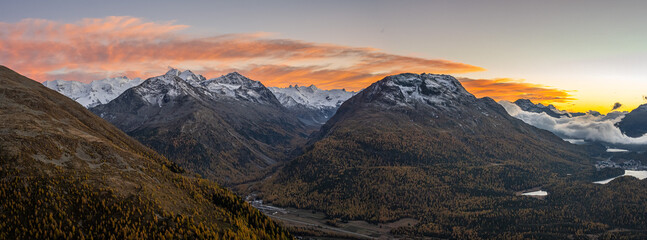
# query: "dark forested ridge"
420,146
67,174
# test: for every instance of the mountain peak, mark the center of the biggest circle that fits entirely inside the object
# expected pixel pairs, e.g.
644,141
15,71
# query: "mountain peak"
236,78
524,102
237,86
186,75
172,72
407,88
235,74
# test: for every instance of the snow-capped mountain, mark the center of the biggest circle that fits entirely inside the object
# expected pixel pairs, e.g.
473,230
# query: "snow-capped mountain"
240,87
187,75
93,93
315,106
232,86
162,89
402,132
407,88
226,128
312,105
311,96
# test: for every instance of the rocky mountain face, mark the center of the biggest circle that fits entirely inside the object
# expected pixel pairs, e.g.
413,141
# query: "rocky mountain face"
93,93
65,173
421,146
313,106
227,128
634,124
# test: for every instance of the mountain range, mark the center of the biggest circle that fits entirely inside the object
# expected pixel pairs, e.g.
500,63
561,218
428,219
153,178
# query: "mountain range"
421,146
410,146
226,129
65,173
312,105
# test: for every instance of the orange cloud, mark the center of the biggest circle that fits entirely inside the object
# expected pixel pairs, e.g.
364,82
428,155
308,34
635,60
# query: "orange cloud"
284,75
96,48
114,46
511,90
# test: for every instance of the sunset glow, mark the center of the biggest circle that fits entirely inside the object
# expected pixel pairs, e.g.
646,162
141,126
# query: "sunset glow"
575,68
96,48
92,49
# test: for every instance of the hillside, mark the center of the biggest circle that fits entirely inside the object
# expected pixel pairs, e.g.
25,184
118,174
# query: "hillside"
421,146
68,174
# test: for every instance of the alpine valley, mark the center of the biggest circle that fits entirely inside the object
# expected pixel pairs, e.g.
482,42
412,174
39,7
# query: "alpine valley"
410,156
65,173
323,120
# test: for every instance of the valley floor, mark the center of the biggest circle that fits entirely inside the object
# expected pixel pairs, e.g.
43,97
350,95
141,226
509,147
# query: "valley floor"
303,221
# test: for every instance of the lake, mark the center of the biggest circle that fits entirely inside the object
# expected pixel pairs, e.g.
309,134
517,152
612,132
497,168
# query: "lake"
637,174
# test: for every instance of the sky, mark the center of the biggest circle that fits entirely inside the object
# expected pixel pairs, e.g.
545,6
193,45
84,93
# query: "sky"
578,55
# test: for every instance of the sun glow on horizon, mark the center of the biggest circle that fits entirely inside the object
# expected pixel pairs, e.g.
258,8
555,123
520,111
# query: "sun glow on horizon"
96,48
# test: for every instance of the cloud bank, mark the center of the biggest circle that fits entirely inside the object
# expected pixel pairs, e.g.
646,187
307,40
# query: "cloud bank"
93,49
513,89
46,49
587,127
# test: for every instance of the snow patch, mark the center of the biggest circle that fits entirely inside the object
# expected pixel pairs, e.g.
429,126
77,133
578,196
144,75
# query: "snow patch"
536,193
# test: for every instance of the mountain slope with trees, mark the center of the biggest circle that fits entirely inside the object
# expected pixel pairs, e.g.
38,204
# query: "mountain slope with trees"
421,146
65,173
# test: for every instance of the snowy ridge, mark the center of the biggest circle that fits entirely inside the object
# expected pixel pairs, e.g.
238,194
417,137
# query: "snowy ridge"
94,93
187,76
235,85
408,88
311,97
161,89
